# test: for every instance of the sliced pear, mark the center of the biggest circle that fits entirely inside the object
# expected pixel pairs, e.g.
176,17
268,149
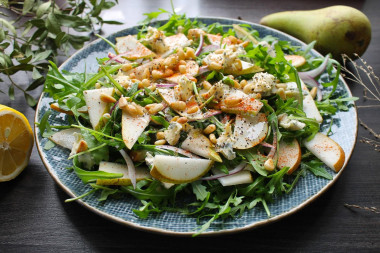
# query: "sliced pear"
327,150
177,76
132,49
199,144
177,40
249,131
65,138
289,155
247,68
297,60
242,177
141,173
96,107
192,68
216,39
133,127
242,34
248,106
177,170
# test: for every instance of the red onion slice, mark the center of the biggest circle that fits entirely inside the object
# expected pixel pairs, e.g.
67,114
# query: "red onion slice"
315,72
199,49
166,85
131,167
265,144
209,48
239,168
203,70
115,58
114,106
178,150
312,82
206,115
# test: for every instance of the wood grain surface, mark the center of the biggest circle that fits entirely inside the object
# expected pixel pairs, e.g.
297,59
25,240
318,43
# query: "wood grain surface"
34,217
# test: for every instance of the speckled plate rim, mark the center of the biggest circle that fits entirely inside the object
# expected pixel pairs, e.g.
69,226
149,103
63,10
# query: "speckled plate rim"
206,233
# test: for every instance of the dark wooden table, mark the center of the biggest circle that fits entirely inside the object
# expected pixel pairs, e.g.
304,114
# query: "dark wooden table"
34,217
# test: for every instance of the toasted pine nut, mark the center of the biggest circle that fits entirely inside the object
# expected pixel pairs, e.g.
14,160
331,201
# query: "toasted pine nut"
219,51
192,109
106,117
154,108
212,138
182,120
236,84
215,66
160,136
123,102
190,53
209,129
178,105
160,142
152,87
248,88
206,85
145,83
233,39
181,54
281,85
245,43
156,74
126,67
132,75
182,69
175,118
232,101
98,86
182,62
168,72
146,74
313,92
107,98
269,164
281,93
82,146
170,62
243,83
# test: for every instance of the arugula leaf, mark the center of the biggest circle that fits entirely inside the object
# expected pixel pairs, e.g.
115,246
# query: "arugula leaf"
199,190
316,167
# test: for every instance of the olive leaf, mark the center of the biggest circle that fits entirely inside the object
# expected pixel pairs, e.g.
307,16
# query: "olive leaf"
41,32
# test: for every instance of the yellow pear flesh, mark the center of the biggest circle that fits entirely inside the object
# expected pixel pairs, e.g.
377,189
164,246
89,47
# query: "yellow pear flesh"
337,29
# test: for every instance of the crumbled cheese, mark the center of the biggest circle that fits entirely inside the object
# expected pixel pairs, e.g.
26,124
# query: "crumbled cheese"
270,50
224,143
125,81
185,88
263,83
226,58
156,40
290,124
173,133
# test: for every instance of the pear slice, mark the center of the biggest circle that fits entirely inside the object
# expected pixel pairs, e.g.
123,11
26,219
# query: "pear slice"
96,107
199,144
132,49
247,68
289,155
297,60
133,127
248,105
65,138
177,40
178,170
241,33
141,173
249,131
242,177
327,150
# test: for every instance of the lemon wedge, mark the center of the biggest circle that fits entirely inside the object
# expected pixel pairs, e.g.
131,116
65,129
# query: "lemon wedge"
16,143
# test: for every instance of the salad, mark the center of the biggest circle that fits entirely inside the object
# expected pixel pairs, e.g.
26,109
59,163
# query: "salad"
206,120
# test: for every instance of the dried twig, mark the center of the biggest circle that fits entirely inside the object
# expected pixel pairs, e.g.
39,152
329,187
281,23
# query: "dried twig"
371,209
369,129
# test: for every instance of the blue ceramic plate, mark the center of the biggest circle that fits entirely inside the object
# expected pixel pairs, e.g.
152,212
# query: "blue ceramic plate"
308,188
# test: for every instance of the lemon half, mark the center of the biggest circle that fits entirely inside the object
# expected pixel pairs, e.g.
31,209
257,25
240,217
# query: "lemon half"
16,143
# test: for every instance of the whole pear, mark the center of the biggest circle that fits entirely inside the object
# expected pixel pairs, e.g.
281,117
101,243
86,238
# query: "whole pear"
337,29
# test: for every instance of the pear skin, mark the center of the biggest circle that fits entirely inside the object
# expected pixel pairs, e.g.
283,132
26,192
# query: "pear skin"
337,29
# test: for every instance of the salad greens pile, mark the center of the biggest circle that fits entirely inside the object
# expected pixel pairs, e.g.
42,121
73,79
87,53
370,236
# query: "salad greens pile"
140,93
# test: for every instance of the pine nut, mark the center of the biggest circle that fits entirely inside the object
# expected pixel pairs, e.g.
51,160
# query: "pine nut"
219,51
182,62
281,93
232,101
154,108
243,83
82,146
215,66
206,85
156,74
181,54
152,87
182,69
170,62
178,105
139,109
233,39
98,86
126,67
146,74
145,83
269,164
132,75
282,85
248,88
106,117
236,84
209,129
192,109
182,120
313,92
168,72
160,136
245,43
190,53
175,118
212,138
123,102
160,142
107,98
